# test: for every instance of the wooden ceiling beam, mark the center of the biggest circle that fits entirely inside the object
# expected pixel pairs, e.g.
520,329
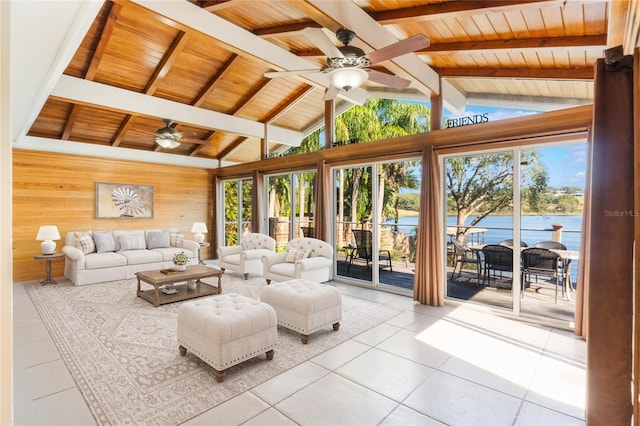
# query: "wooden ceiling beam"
107,32
452,9
159,73
96,58
167,61
251,95
286,28
598,41
122,130
221,73
204,143
585,73
297,97
232,147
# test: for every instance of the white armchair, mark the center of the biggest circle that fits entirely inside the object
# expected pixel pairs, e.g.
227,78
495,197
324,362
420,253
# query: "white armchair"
305,258
246,258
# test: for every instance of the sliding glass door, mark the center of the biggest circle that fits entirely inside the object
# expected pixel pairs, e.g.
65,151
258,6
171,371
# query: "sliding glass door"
376,214
238,204
290,206
499,205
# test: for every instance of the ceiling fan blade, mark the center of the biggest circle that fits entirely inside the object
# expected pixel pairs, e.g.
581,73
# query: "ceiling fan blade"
417,42
356,96
332,92
388,80
194,141
324,43
275,74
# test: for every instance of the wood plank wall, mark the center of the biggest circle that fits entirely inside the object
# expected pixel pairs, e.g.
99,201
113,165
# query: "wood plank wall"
59,189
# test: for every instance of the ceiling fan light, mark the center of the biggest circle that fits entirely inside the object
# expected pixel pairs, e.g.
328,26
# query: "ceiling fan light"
348,78
167,143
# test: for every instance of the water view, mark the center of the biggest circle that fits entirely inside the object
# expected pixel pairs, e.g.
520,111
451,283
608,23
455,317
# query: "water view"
534,228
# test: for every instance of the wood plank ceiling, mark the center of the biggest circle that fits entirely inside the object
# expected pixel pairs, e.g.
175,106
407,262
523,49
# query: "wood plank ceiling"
488,52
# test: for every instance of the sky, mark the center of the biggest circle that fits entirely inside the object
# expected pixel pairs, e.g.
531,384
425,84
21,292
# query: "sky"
565,164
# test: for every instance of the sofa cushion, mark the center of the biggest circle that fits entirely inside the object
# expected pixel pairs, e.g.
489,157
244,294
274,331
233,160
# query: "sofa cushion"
136,257
233,258
294,254
104,241
104,260
158,239
132,242
84,241
176,239
167,253
286,269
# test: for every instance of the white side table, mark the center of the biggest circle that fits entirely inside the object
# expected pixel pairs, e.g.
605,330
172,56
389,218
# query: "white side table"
48,258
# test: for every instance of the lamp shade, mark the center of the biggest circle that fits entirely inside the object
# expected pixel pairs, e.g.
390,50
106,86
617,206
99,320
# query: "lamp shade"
348,78
199,228
46,234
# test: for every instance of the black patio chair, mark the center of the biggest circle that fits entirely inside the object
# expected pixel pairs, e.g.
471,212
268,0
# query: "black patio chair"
550,245
363,250
463,255
509,243
541,261
496,258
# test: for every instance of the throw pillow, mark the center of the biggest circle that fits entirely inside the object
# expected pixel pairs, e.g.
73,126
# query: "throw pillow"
158,239
132,242
294,254
84,241
104,241
176,239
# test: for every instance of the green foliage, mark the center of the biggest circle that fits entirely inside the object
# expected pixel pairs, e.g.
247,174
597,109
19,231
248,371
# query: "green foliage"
481,185
410,201
566,203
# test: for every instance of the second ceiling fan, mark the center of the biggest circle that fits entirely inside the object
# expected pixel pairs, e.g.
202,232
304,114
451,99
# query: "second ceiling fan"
348,66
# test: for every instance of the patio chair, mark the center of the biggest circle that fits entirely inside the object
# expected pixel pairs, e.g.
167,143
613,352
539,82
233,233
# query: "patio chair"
509,243
496,258
308,231
463,254
550,245
541,261
364,243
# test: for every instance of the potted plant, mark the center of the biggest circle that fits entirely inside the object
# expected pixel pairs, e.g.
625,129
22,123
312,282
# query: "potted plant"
180,261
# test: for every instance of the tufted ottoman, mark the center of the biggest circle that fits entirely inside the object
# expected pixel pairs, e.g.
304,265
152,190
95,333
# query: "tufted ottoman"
225,330
304,306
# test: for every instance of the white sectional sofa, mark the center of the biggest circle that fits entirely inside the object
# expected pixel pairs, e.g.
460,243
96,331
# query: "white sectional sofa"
99,256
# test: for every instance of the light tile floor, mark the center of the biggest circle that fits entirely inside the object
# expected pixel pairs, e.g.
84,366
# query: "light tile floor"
426,366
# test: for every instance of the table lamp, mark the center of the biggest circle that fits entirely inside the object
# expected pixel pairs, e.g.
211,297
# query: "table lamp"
199,229
46,234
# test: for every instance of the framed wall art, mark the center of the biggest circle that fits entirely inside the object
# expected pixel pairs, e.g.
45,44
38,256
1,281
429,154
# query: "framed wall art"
123,201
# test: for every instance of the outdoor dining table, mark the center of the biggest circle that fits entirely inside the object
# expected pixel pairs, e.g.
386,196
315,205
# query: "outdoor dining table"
566,256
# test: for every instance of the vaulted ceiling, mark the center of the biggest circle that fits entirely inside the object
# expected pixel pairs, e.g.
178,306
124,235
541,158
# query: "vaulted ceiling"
99,78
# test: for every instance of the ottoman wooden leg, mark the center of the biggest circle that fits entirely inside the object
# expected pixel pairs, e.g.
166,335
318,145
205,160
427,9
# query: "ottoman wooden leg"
219,375
304,338
183,350
336,326
246,276
269,354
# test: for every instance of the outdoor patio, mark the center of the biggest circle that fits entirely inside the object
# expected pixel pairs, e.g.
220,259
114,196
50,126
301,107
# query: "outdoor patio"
538,298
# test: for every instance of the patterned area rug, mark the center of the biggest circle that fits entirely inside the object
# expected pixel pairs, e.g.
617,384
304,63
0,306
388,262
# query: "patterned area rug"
123,352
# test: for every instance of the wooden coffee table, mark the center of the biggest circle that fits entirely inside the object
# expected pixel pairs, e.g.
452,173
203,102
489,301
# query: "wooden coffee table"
193,273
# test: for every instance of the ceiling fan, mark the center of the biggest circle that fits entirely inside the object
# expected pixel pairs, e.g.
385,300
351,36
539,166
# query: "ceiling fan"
168,137
348,66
